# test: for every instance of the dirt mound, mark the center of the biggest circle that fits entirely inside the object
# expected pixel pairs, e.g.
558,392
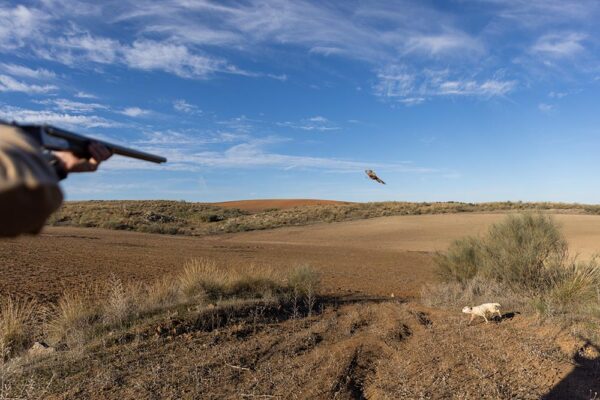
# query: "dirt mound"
270,204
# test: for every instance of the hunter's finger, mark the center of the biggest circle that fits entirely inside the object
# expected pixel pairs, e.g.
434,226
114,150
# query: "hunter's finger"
104,152
92,164
99,152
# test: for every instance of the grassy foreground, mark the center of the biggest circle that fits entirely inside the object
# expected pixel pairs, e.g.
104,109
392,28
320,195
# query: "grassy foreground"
178,217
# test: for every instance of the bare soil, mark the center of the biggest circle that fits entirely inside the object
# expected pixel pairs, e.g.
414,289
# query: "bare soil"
362,343
377,257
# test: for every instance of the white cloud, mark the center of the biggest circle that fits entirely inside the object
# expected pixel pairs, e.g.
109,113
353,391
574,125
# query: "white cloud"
490,87
560,44
172,138
536,13
20,24
394,81
25,72
134,112
9,84
557,95
444,43
74,106
78,121
185,107
73,48
546,108
401,84
316,123
84,95
173,58
253,154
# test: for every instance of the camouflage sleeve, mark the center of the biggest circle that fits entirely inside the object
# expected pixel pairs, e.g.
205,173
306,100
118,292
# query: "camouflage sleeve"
29,190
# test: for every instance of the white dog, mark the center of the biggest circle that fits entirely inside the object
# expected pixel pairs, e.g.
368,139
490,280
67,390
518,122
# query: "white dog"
482,311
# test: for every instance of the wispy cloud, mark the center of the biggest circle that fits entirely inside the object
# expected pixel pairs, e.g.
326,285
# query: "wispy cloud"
316,123
560,44
23,115
134,112
171,138
397,82
73,106
254,154
9,84
26,72
151,55
546,108
20,24
443,43
84,95
185,107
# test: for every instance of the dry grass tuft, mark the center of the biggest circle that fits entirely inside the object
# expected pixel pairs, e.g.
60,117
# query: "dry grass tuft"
204,278
71,320
16,325
163,293
77,319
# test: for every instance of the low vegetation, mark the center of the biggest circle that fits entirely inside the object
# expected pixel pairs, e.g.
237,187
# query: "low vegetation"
178,217
78,319
522,262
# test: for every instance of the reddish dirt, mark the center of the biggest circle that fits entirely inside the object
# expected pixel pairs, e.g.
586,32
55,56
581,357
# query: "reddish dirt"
375,257
261,205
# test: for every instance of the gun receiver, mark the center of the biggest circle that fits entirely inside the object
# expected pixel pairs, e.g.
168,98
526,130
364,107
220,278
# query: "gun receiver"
52,138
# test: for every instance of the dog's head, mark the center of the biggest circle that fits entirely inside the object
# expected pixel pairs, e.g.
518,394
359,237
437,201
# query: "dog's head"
467,310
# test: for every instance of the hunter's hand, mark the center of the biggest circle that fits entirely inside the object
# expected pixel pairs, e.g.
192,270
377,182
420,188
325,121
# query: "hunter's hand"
72,163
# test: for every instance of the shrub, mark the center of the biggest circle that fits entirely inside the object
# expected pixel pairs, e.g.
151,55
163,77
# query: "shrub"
523,259
461,261
523,251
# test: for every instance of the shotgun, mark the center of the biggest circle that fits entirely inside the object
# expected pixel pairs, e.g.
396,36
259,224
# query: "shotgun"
52,138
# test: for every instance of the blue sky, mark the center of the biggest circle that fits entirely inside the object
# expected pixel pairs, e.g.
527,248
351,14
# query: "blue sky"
470,100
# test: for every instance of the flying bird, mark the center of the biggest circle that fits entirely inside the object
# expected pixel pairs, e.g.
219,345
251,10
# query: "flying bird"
371,174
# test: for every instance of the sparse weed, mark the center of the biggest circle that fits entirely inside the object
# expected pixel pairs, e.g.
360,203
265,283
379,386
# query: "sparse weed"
120,301
303,283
